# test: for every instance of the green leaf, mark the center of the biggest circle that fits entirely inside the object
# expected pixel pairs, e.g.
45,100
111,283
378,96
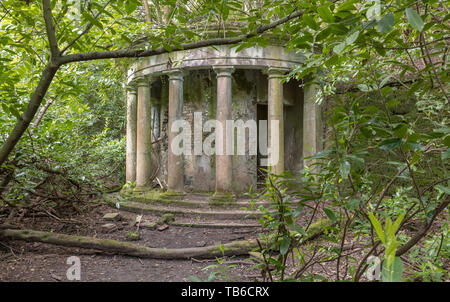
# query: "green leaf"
299,230
211,277
222,249
325,14
309,20
344,168
415,146
5,108
275,261
339,48
441,188
385,24
91,19
194,279
126,38
352,204
401,129
298,210
347,6
14,111
322,154
414,19
397,222
392,103
352,38
131,5
390,144
330,214
377,226
285,244
446,140
392,273
388,230
445,154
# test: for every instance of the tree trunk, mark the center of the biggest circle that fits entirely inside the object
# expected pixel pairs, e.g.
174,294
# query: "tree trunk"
126,248
240,247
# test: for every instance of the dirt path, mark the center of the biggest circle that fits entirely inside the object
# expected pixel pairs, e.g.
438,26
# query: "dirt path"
21,261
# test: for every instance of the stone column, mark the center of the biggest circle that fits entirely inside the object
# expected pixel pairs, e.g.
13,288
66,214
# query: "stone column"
175,165
312,124
130,166
275,113
144,135
224,162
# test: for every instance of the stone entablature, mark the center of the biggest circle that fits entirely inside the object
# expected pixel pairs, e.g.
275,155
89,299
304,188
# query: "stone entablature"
204,58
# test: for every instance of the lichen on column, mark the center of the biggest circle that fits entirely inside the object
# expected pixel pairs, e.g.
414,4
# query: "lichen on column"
130,166
275,113
144,135
312,122
175,165
224,171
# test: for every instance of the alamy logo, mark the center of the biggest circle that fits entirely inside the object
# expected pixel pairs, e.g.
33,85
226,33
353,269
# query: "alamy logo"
374,270
74,271
235,137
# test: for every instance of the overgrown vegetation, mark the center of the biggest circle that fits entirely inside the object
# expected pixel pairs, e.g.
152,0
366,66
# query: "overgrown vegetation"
382,72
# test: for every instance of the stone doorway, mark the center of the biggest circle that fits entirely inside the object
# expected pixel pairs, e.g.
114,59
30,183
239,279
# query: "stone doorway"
261,115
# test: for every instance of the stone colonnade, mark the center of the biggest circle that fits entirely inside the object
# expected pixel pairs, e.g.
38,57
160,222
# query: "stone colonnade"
139,146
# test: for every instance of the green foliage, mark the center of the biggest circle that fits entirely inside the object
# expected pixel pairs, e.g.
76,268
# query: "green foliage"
381,67
429,260
219,272
392,266
80,136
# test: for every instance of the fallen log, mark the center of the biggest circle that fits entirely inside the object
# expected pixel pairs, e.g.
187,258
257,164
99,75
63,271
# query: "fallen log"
240,247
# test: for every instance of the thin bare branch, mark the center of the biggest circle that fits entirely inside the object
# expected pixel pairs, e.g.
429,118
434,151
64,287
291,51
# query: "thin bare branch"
50,28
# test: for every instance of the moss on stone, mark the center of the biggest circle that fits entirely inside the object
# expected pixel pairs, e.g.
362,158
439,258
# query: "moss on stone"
319,226
222,199
168,218
133,236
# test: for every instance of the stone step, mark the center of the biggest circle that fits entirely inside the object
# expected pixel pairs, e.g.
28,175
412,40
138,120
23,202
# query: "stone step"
202,201
182,217
139,207
214,223
202,211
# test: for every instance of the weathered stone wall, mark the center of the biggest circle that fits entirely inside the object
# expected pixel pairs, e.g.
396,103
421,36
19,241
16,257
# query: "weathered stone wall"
249,87
199,96
244,108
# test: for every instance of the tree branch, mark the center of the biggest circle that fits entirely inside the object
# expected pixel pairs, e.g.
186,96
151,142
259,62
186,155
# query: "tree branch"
416,238
85,31
50,28
139,53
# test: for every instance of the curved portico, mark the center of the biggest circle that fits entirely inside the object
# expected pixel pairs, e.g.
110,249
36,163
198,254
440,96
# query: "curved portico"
258,73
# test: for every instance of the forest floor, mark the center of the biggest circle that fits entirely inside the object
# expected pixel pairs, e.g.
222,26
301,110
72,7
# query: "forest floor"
24,261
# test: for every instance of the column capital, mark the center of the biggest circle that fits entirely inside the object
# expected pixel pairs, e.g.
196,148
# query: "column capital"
174,74
223,70
145,81
142,82
131,88
275,72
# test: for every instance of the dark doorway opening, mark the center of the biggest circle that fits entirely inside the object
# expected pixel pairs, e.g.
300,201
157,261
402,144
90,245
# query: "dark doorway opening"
261,115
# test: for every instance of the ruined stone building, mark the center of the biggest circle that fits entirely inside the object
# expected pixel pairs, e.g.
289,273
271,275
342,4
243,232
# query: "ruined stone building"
222,84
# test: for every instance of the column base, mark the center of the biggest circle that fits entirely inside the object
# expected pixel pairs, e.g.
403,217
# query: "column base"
170,195
150,195
222,198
